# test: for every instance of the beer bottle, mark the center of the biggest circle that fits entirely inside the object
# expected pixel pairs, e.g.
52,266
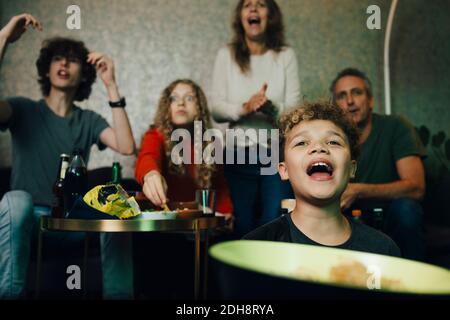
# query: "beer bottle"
116,175
76,179
378,218
58,187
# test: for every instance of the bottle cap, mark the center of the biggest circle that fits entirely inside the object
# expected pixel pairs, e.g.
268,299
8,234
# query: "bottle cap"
356,213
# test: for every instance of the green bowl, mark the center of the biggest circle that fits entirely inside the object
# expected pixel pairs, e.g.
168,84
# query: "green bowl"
307,269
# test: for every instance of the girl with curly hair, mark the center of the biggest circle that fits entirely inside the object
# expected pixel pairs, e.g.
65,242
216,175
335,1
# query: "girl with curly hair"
162,178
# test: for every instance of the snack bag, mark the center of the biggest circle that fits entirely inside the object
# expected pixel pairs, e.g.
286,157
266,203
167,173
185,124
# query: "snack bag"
112,199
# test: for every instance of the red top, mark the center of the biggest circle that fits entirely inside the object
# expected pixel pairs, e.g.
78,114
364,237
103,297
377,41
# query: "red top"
180,188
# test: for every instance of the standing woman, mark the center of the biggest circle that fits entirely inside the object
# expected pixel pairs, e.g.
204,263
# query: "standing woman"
255,79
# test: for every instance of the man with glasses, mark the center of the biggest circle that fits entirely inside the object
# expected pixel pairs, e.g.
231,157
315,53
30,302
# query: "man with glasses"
390,173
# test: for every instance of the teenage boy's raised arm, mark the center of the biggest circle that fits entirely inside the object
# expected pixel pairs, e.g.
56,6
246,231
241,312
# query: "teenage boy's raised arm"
10,33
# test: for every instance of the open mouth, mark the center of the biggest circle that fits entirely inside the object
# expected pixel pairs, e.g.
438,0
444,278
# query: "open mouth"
254,21
352,109
320,169
63,73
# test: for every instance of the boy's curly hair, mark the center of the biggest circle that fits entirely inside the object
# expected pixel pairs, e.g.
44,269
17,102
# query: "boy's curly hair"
67,48
320,110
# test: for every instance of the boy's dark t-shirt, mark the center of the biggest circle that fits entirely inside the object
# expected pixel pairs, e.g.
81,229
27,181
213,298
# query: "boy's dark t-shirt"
39,136
363,237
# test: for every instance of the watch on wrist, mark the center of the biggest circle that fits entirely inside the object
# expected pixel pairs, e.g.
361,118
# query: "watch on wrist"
118,104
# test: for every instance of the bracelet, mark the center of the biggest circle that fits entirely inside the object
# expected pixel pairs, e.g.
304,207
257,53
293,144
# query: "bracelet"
118,104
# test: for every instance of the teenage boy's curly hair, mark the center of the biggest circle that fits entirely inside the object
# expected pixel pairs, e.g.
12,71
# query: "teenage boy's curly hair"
320,110
68,48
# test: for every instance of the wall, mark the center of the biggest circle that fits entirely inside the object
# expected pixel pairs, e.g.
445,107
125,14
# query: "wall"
156,41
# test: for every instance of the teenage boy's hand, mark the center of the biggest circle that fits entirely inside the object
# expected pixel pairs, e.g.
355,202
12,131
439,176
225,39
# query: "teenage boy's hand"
104,66
18,25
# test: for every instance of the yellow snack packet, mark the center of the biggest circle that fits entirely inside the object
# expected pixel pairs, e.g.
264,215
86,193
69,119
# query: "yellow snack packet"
112,199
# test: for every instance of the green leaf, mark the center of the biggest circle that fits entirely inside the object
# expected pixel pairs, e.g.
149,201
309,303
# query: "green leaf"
424,134
438,139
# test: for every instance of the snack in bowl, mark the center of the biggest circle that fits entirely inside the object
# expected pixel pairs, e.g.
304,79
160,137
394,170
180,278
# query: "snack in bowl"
169,214
112,199
158,215
355,273
349,273
166,208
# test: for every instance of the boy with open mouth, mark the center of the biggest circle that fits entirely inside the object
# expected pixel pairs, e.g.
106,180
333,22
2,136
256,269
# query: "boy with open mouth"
318,145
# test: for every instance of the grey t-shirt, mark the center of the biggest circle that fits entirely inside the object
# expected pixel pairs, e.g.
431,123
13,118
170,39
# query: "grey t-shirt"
39,136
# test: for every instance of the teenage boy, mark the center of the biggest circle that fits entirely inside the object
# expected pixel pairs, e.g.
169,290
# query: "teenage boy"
318,152
42,130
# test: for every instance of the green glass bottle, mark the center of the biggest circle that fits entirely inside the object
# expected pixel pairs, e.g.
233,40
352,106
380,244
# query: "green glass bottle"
116,175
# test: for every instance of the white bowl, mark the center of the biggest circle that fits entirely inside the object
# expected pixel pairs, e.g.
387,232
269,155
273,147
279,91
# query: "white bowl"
157,215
